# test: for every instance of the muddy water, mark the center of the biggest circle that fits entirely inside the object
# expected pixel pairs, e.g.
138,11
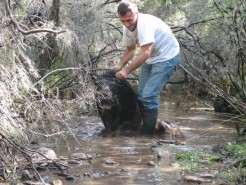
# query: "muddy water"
201,128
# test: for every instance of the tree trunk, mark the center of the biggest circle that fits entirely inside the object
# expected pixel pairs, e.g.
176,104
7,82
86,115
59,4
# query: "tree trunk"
55,12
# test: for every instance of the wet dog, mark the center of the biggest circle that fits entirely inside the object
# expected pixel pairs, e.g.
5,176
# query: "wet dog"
117,104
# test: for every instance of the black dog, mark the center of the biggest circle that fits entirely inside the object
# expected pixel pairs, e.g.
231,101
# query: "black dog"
117,103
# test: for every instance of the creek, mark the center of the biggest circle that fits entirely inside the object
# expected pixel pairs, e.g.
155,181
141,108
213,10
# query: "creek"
124,160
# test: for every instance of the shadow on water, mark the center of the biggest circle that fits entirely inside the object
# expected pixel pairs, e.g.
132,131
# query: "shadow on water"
128,157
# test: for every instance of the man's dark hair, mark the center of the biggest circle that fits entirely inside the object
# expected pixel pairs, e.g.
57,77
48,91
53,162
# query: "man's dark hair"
125,7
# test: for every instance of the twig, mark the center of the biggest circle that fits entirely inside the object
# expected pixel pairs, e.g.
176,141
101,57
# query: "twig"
44,135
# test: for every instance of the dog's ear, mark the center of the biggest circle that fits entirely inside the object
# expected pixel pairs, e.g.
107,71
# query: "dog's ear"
110,73
95,77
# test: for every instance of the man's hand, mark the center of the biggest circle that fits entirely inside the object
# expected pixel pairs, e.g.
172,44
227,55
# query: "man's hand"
121,74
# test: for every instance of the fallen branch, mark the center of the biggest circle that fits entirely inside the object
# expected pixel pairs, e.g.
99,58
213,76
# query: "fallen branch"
28,157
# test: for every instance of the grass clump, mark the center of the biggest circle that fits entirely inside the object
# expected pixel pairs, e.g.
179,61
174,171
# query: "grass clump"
192,160
236,151
189,160
235,171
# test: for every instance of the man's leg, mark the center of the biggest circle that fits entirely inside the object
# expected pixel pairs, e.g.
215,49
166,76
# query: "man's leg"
152,80
146,115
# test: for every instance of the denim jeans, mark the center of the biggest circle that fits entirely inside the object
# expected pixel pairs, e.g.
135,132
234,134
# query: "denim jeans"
152,79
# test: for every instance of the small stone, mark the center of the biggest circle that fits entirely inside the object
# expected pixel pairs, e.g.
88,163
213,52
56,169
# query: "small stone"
56,182
74,162
129,171
87,175
26,176
175,165
70,178
46,154
138,161
165,154
81,156
151,163
110,162
196,179
34,183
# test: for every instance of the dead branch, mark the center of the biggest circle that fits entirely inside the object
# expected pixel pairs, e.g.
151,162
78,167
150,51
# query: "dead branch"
181,28
27,156
24,151
108,2
26,32
238,105
58,70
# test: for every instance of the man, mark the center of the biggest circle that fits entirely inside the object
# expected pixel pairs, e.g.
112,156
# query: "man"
158,57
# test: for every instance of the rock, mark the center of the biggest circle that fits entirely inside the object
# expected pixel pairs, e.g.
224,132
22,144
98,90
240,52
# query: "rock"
88,175
101,174
151,163
164,154
240,163
56,182
63,157
168,127
81,156
196,179
26,176
70,178
34,183
74,162
175,165
164,142
43,154
138,161
128,172
110,162
207,175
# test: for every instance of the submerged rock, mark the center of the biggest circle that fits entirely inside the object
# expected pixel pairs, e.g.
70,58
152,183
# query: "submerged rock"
70,178
128,172
110,162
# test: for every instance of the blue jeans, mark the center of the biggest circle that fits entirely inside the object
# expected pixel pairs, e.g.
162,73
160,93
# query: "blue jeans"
152,79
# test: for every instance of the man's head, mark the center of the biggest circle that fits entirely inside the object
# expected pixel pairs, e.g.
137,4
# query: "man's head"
128,14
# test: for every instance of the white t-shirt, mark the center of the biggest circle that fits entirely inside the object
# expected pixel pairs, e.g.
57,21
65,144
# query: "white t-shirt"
151,29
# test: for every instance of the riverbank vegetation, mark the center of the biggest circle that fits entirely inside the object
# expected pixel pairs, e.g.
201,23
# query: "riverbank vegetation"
230,158
49,49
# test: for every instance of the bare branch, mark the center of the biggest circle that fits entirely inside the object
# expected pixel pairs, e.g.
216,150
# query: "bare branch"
108,2
27,32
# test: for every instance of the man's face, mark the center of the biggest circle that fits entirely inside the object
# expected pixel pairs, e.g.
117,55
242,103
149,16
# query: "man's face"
129,20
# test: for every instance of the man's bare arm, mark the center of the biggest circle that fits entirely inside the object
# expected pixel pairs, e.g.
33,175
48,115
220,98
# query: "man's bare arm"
144,54
126,57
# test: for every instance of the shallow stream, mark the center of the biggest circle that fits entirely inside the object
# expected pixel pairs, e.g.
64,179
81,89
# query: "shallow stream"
127,158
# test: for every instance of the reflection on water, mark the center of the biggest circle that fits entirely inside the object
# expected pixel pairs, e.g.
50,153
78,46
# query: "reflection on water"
202,129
